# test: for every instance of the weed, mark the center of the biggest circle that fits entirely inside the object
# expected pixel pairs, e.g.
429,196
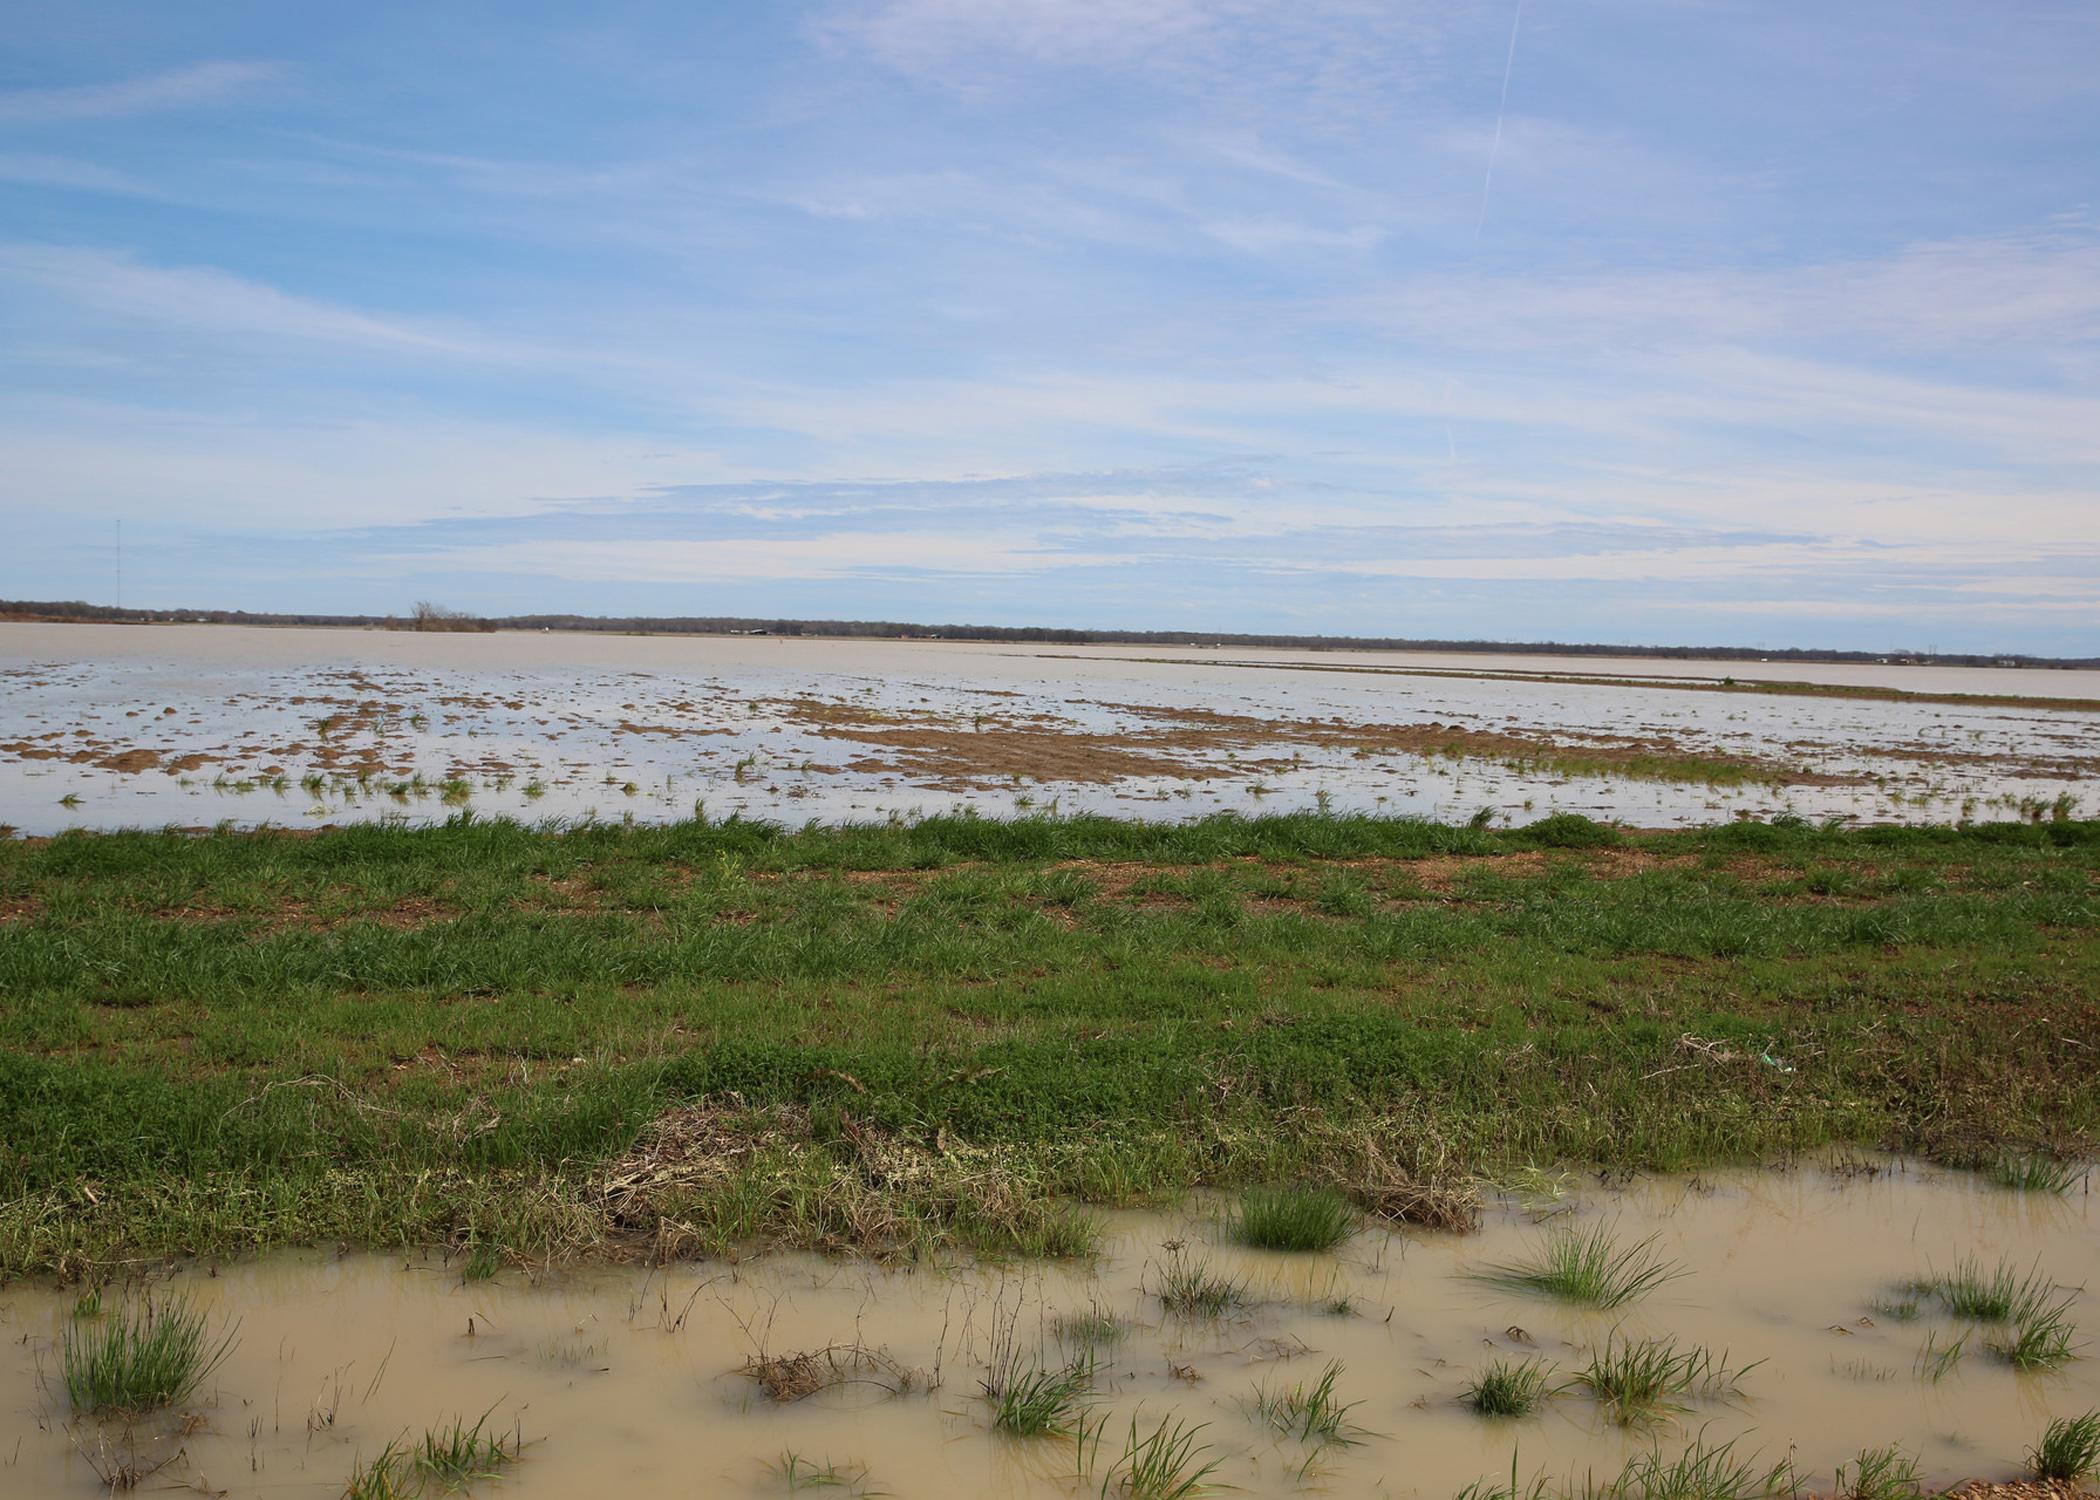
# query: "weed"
1879,1474
1591,1267
1643,1380
1494,1489
1166,1463
1033,1400
458,1455
484,1260
1294,1219
2040,1338
1936,1361
389,1475
1510,1388
1983,1295
1902,1309
2069,1449
2036,1174
1091,1331
1309,1413
140,1357
1191,1289
797,1474
1698,1473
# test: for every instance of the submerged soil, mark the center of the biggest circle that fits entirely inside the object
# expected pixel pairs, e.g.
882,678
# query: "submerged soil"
709,1378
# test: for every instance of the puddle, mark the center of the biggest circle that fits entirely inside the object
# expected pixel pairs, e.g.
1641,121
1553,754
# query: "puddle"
135,726
627,1382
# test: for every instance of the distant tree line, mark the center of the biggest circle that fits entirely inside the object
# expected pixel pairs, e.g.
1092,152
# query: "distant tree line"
426,616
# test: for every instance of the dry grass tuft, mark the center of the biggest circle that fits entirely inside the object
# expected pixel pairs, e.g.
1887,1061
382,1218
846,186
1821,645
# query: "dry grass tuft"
794,1377
691,1148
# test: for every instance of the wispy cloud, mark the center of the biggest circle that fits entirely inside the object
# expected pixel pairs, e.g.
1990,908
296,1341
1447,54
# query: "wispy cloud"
1321,63
122,285
36,169
178,88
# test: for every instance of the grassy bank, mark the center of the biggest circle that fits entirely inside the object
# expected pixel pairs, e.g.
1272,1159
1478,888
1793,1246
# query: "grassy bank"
677,1039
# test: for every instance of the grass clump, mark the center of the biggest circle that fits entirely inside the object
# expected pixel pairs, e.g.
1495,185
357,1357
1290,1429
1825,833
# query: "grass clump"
457,1455
1701,1472
1192,1289
1090,1331
1645,1379
1166,1463
1879,1474
1936,1361
389,1475
1290,1218
1309,1413
1698,1473
1591,1267
140,1358
1039,1401
1980,1294
2040,1337
2038,1330
2036,1174
2069,1449
1510,1388
797,1474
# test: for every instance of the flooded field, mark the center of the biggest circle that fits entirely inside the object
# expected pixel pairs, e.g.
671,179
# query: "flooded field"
1804,1288
125,726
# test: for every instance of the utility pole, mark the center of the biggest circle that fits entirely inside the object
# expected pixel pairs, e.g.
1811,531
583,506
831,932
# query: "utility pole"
120,562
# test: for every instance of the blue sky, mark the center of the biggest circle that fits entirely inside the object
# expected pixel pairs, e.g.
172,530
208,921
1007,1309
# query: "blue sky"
1763,322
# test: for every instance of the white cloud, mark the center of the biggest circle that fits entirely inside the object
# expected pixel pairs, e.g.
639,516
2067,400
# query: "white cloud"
35,169
113,282
1276,236
214,471
1316,63
179,88
834,555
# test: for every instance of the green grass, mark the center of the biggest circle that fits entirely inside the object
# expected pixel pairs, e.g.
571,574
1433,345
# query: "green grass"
1165,1463
799,1475
1879,1474
1310,1413
1702,1471
1293,1219
2069,1449
1191,1289
1642,1380
452,1035
456,1455
1592,1267
1936,1361
1984,1294
140,1356
1092,1331
2041,1336
2028,1173
1039,1401
1510,1388
390,1474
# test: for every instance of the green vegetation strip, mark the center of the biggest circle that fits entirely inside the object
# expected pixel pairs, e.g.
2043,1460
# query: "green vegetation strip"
669,1040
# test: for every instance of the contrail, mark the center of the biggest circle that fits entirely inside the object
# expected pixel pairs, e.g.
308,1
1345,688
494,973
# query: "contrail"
1509,66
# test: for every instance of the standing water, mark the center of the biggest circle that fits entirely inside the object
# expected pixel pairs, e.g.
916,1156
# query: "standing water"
1802,1287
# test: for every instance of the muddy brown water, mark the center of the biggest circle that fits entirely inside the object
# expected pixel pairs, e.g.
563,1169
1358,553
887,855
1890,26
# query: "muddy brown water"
625,1381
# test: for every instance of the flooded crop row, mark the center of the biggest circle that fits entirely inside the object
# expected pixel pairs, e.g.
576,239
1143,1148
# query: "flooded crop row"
117,726
1800,1317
